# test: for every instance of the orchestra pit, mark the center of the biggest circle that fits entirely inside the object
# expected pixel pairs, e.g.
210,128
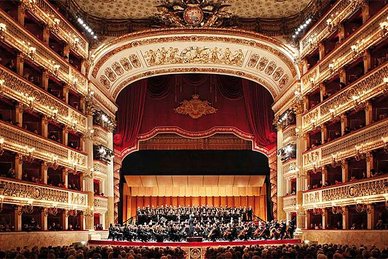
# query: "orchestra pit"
194,129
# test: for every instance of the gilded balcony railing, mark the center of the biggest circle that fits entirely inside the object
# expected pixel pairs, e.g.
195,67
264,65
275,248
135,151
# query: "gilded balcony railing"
290,169
289,134
100,203
366,190
21,193
100,135
361,141
20,141
100,167
23,91
289,203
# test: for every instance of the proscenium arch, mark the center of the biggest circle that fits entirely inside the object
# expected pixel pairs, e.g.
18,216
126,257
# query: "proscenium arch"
126,59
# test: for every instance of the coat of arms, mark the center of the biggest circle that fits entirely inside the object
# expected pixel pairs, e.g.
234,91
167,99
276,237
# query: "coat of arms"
195,107
193,13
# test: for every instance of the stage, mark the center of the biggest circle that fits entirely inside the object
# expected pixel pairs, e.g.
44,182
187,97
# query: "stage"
193,244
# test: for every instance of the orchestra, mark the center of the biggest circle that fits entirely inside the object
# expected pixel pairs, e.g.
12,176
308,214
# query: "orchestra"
210,223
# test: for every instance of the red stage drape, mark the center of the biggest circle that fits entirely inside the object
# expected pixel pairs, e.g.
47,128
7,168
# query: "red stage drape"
257,101
130,115
147,107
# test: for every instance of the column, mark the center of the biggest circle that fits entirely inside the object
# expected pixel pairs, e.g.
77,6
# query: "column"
344,170
344,123
65,135
301,175
21,14
45,79
365,12
109,186
281,182
18,166
306,103
66,93
324,218
43,218
18,218
321,48
306,140
46,35
371,216
345,217
65,177
307,220
367,58
88,178
369,163
341,32
324,175
322,91
103,220
342,76
19,64
368,113
65,219
323,134
43,172
44,125
19,115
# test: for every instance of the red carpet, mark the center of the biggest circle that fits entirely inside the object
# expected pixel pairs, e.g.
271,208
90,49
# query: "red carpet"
195,244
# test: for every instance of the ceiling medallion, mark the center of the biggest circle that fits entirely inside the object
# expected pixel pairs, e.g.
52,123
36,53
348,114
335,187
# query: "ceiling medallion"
193,13
195,107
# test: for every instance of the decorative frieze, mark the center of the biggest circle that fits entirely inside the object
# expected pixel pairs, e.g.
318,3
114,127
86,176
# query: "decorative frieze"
100,135
23,142
289,135
367,190
100,167
20,192
27,93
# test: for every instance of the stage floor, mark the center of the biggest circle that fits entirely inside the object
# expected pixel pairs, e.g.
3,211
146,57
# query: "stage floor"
194,244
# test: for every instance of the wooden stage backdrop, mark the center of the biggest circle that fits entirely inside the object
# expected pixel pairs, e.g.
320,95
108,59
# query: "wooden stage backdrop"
258,203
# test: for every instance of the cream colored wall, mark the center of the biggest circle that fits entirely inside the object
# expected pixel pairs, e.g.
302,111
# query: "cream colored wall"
378,238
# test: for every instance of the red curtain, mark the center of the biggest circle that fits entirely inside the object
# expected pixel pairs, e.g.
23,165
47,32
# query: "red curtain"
130,115
147,107
257,101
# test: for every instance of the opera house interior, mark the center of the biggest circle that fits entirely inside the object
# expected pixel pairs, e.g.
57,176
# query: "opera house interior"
194,129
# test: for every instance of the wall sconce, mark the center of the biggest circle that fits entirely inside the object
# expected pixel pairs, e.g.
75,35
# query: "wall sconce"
384,28
312,81
3,28
331,24
54,163
313,123
56,68
31,52
74,82
29,153
76,42
332,112
385,86
332,67
356,99
2,81
1,146
30,101
54,113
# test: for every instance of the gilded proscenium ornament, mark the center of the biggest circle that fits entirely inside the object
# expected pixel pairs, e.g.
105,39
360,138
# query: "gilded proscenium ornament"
194,55
195,107
193,13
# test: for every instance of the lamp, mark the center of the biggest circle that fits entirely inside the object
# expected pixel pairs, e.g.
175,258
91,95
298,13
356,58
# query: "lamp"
3,28
384,28
31,52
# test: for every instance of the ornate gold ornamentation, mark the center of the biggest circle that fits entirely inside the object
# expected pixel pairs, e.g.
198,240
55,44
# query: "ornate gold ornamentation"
195,107
193,13
195,55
